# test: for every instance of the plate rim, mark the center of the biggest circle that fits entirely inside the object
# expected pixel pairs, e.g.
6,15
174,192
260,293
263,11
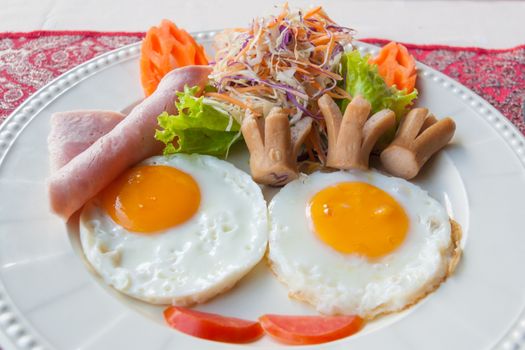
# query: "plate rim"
16,334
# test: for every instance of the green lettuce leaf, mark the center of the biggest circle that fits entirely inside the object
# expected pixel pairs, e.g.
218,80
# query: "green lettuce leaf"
362,78
198,128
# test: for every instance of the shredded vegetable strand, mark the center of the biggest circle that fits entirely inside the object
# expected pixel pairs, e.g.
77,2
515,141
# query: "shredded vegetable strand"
288,60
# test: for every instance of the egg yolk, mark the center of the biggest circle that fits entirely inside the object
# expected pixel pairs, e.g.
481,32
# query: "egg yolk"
356,217
151,198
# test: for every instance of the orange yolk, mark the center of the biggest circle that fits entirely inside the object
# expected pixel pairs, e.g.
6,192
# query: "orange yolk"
151,198
355,217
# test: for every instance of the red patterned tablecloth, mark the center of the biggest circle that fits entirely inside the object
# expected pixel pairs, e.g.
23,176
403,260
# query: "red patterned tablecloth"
30,60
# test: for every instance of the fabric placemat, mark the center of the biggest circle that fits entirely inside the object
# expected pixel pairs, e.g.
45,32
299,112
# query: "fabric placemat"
30,60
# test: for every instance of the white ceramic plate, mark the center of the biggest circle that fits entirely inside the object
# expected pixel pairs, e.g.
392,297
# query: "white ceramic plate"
49,298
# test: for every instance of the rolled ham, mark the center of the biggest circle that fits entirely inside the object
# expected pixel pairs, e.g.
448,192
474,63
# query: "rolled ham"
127,143
73,132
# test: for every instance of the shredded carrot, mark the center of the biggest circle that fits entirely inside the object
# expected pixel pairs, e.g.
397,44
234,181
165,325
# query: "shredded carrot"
304,71
331,46
316,85
279,19
229,99
336,94
343,93
241,30
243,51
325,16
317,69
301,34
254,88
312,12
320,48
321,40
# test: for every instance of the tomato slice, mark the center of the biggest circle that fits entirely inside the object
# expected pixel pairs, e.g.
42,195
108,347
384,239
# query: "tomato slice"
302,330
212,326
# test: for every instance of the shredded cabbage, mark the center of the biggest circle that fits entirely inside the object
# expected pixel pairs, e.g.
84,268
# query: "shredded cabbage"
289,60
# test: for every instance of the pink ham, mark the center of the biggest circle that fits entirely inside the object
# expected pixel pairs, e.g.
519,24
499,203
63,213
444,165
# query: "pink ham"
128,143
74,131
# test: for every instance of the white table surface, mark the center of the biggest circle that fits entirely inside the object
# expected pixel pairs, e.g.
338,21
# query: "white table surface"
490,24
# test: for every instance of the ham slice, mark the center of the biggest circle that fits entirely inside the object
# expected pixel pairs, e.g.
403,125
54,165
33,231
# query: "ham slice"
129,142
74,131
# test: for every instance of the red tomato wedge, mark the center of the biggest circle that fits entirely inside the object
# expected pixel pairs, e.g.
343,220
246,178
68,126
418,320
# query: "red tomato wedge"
302,330
211,326
397,66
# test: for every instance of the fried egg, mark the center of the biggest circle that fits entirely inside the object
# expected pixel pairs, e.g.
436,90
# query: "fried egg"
176,230
356,242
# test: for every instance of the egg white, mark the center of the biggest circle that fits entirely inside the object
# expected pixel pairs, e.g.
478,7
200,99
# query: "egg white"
191,262
338,283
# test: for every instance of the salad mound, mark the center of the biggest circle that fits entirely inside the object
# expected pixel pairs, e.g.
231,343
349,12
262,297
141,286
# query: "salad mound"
287,61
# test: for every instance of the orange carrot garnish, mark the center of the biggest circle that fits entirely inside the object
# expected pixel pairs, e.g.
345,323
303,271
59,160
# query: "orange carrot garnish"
165,48
397,66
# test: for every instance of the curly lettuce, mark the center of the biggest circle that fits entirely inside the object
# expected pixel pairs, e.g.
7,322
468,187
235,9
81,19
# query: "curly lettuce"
197,128
362,78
